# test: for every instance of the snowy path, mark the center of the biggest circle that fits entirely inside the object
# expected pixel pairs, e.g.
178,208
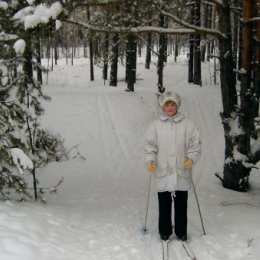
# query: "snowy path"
100,207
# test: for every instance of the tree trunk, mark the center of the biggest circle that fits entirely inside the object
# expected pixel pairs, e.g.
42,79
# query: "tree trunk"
235,174
72,52
197,53
239,60
38,57
139,48
105,56
256,62
56,49
161,57
28,67
246,94
191,50
85,47
236,35
52,56
134,57
209,22
148,51
176,48
91,55
28,70
130,61
206,25
114,63
66,43
91,60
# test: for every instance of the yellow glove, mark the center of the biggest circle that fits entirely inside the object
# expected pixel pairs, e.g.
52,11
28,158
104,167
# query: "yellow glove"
187,164
151,167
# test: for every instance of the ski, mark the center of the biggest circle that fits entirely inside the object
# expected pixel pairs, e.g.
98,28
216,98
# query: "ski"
188,250
165,250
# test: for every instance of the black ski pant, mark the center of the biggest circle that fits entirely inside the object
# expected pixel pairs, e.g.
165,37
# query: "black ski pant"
180,199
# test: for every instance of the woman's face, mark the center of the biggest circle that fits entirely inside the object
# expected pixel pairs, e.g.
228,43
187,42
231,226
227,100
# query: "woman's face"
170,108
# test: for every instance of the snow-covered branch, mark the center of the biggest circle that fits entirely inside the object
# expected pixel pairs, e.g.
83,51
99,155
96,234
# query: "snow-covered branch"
141,29
7,37
31,16
21,160
217,2
213,2
188,28
197,29
255,19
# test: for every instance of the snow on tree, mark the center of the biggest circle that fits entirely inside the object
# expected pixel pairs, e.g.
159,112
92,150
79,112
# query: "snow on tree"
21,160
32,16
24,145
19,46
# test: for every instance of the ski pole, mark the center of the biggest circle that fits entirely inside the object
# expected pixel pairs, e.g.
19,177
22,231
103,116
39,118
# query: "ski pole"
204,233
144,229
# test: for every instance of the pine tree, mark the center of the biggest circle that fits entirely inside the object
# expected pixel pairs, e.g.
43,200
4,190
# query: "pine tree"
24,145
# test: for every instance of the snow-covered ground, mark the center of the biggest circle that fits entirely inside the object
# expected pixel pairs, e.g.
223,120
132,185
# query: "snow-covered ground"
100,207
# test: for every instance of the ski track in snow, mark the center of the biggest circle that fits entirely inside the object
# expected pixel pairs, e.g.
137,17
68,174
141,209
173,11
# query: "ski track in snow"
107,119
99,209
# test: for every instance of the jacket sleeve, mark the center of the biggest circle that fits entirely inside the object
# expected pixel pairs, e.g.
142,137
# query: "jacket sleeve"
150,144
194,145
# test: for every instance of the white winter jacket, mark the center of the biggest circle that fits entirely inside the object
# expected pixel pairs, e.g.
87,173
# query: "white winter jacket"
168,142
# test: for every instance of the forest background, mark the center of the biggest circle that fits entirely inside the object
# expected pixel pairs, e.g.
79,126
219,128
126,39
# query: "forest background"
77,46
116,31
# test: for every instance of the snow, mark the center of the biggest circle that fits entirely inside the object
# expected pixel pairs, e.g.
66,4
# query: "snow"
21,160
19,46
58,24
30,2
100,207
31,16
4,71
23,13
7,37
255,146
32,21
3,5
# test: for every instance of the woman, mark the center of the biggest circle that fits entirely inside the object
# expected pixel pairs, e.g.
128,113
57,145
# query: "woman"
172,146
